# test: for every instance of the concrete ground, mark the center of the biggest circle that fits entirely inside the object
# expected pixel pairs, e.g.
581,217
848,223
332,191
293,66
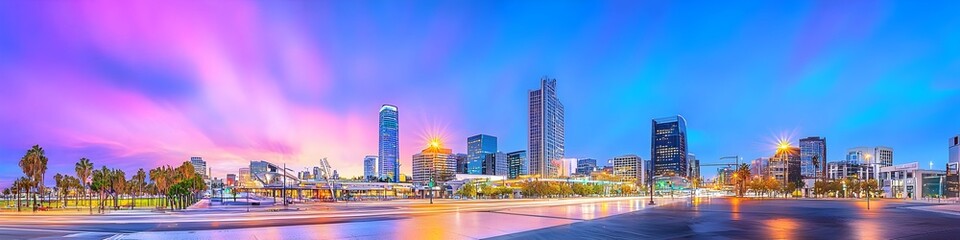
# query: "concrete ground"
728,218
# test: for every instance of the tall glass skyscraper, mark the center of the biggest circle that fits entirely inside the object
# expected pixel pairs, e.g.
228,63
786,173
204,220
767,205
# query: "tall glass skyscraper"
545,139
813,158
669,146
478,147
389,150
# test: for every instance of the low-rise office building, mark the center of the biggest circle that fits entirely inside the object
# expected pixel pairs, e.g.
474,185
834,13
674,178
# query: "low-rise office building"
908,181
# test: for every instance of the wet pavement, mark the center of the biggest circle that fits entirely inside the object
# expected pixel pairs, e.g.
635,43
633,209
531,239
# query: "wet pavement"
727,218
466,220
626,218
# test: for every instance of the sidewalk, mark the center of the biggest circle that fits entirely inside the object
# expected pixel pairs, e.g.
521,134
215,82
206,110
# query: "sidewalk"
947,208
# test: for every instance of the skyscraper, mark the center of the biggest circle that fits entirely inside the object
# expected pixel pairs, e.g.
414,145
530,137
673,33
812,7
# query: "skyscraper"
586,166
952,177
545,139
669,146
478,147
518,164
434,163
370,165
954,150
389,150
693,166
199,166
813,154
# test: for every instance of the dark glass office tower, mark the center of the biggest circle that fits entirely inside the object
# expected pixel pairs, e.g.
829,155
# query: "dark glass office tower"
669,146
518,164
478,147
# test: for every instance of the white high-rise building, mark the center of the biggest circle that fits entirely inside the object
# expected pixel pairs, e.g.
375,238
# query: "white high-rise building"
199,166
546,131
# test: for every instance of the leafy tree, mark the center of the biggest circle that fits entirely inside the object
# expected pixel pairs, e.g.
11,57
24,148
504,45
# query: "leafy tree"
870,187
772,185
468,190
487,190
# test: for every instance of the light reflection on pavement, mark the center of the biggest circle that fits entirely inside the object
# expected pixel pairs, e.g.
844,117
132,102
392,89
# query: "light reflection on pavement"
446,220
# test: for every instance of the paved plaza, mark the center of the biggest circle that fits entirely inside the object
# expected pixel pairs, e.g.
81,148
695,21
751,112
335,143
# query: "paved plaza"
619,218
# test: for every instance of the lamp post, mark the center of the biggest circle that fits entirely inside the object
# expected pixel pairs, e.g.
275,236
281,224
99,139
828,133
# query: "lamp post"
652,186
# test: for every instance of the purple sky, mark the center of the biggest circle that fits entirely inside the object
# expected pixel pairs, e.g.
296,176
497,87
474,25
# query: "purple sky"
140,84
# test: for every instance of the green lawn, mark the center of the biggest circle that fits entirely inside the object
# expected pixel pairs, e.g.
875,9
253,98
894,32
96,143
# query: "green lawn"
84,203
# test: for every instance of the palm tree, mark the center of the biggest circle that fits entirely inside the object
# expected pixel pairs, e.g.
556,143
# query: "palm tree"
83,168
742,174
139,180
118,182
22,185
100,183
28,166
161,178
58,181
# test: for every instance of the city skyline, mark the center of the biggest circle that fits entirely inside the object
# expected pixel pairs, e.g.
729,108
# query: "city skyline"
130,96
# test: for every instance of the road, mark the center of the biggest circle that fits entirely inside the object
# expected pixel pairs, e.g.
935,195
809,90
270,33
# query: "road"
447,219
764,219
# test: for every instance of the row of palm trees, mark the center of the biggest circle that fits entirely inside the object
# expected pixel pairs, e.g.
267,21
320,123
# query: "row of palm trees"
177,187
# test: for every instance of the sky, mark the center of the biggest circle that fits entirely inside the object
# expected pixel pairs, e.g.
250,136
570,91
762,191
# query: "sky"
139,84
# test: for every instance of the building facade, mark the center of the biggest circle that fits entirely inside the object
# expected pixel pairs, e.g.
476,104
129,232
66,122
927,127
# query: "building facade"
760,167
840,170
871,159
389,144
813,155
244,177
371,164
628,167
784,166
954,149
495,164
908,181
669,146
433,163
478,147
693,166
586,166
199,166
546,130
231,180
953,168
518,163
461,163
